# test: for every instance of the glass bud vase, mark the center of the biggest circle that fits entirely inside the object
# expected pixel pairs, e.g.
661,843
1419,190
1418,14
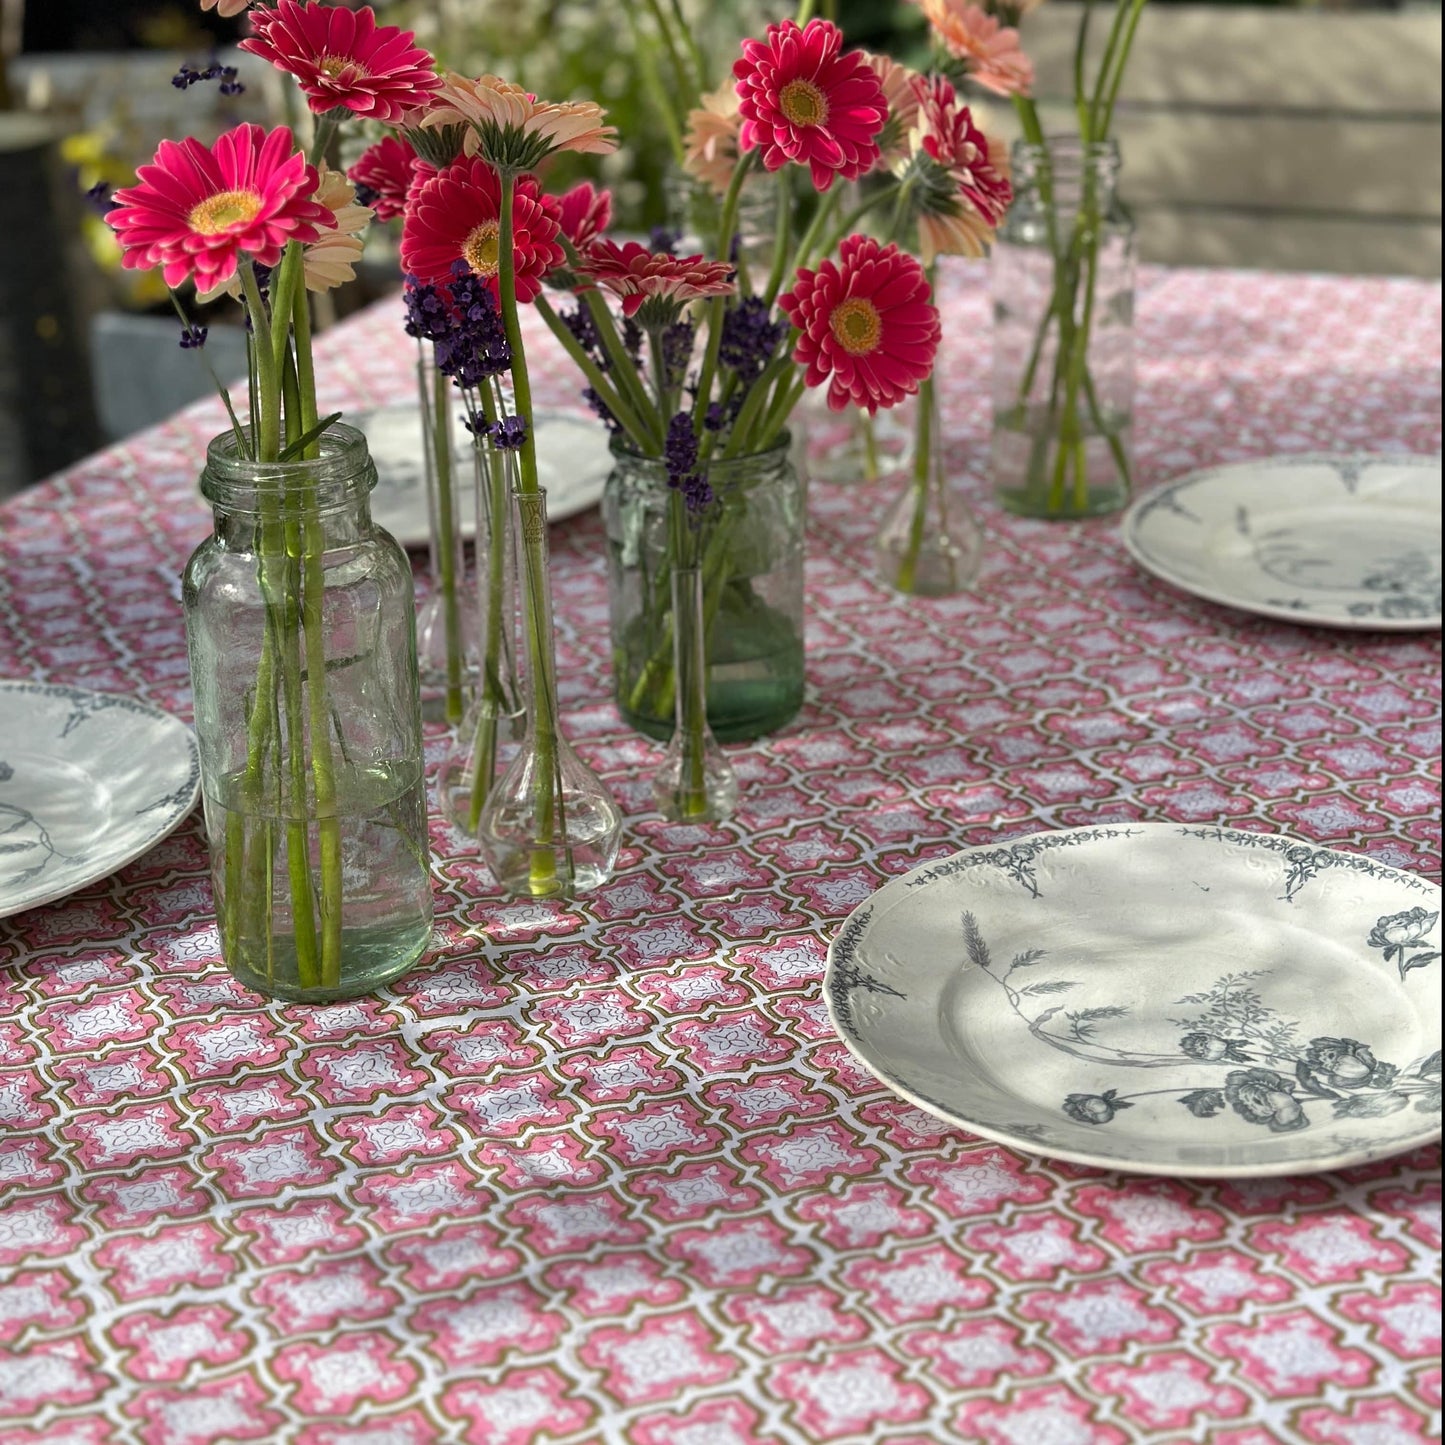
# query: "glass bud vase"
446,624
752,566
299,625
1063,369
695,782
929,544
496,714
549,828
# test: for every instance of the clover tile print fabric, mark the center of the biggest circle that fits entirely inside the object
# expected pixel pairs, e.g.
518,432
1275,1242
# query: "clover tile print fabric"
604,1173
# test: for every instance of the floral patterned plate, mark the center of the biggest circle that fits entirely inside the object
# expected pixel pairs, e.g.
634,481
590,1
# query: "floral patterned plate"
1338,541
572,463
1152,997
88,782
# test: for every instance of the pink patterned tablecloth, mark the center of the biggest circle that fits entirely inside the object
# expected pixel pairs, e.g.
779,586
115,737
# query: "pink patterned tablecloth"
605,1173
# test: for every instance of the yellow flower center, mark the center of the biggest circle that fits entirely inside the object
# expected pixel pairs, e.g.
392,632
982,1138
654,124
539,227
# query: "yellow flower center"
803,103
222,211
858,326
483,249
334,66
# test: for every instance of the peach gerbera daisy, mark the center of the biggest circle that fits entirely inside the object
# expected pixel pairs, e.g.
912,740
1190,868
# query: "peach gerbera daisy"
710,145
227,8
197,212
902,99
330,260
511,128
868,327
991,51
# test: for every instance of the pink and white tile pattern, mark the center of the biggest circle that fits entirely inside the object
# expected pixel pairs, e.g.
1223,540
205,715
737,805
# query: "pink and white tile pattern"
602,1173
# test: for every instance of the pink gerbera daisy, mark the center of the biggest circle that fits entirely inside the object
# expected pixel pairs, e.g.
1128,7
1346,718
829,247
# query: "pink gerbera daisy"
636,275
197,212
801,100
383,176
583,213
866,322
456,216
344,58
965,174
992,51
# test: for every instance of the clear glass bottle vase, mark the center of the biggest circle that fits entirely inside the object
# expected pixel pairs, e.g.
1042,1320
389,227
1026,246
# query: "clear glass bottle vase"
495,717
299,626
549,828
1063,368
446,622
929,543
695,782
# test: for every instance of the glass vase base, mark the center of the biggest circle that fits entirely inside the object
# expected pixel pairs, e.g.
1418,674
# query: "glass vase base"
371,959
741,712
1030,479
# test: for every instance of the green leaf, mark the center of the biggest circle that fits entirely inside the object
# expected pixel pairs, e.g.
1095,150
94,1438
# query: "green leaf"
303,442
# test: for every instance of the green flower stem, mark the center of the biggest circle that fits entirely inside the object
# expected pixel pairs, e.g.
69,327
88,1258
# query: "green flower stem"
845,227
494,703
781,236
1136,11
755,403
907,577
727,224
699,61
652,81
543,871
684,77
642,436
323,772
447,580
789,394
690,694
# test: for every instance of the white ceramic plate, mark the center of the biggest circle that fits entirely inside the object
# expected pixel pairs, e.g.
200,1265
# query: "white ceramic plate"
1335,540
88,782
1155,998
572,464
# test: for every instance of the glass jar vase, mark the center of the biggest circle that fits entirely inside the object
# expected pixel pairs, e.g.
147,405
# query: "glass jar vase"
299,626
1063,334
752,575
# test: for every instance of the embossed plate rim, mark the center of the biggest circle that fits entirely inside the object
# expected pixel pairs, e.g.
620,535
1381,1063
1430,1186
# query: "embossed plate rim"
169,812
842,975
1132,523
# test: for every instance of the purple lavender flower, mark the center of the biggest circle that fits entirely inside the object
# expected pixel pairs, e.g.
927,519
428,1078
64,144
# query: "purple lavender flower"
100,198
508,433
580,323
600,409
750,337
193,337
664,239
632,339
680,456
476,346
426,312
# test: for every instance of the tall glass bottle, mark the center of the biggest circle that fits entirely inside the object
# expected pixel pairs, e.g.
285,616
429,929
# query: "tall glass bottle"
299,625
1063,369
446,623
929,544
496,714
549,828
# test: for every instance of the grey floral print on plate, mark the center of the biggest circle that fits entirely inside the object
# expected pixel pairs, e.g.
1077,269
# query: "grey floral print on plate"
1333,540
1160,998
89,781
